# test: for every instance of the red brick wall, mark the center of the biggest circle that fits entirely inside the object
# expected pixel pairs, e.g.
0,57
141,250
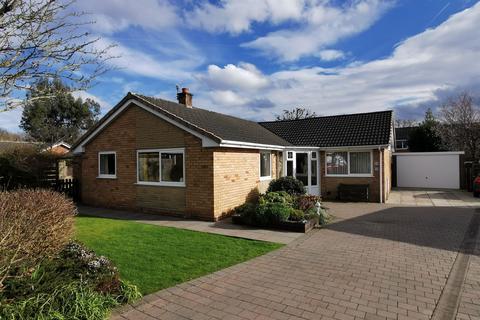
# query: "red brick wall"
138,129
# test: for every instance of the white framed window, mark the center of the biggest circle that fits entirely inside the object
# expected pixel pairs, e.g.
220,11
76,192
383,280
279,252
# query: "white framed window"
107,165
349,163
161,167
265,165
401,144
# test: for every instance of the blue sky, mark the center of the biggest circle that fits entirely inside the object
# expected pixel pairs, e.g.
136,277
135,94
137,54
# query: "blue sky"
253,58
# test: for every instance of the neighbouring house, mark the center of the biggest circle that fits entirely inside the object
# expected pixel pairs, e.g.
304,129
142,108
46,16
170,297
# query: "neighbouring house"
62,169
153,155
59,148
401,138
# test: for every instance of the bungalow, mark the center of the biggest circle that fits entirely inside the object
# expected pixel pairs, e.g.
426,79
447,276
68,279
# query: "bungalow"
153,155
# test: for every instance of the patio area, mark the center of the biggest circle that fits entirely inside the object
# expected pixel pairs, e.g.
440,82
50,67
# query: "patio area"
432,198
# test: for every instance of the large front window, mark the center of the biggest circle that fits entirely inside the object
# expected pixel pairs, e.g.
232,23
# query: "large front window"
161,167
349,163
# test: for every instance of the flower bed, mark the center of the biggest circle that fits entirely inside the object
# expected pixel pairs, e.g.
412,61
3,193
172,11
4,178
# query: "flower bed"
45,276
285,206
294,226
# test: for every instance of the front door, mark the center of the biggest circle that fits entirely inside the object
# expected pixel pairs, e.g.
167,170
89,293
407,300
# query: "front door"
303,165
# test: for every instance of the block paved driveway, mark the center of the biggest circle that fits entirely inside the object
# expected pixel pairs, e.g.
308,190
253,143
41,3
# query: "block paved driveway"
375,262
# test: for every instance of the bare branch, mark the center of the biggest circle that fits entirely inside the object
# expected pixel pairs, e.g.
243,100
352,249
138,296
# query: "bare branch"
46,39
460,127
295,114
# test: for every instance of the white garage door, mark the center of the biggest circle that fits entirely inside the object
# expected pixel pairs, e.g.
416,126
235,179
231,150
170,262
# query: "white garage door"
428,170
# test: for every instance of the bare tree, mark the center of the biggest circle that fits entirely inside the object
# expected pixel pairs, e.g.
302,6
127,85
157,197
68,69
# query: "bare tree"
295,114
6,135
460,127
404,123
46,39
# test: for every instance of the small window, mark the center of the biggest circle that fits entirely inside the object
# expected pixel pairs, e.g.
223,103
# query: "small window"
161,167
289,168
107,164
314,155
289,155
265,165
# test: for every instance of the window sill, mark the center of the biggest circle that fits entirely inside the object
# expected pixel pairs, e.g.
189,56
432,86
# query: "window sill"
265,178
161,184
106,177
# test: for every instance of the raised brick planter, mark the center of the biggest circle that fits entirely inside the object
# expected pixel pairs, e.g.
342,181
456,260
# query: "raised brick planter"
294,226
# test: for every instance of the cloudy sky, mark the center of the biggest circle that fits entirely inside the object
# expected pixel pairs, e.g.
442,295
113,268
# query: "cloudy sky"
253,58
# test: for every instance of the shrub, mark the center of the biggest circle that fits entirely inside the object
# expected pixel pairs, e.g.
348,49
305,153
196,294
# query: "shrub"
307,202
272,213
324,218
24,167
276,197
247,212
76,284
70,301
287,184
296,215
34,225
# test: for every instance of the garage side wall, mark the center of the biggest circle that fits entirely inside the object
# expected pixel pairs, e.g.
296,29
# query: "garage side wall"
387,177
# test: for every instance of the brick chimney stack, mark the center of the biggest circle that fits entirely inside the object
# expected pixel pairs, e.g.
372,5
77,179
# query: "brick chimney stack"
185,97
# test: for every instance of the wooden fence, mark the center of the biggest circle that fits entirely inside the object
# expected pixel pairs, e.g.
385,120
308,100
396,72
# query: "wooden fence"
70,187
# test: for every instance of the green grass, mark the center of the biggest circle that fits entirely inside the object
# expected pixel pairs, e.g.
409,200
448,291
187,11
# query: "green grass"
154,257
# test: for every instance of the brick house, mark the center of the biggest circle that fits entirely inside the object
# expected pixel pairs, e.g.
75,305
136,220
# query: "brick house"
158,156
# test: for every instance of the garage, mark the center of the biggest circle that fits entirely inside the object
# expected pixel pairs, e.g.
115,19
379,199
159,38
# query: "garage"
436,170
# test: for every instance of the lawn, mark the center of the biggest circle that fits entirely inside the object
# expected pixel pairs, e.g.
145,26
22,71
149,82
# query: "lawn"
154,257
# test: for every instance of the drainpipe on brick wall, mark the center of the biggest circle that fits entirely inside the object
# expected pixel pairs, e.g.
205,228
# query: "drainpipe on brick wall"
381,173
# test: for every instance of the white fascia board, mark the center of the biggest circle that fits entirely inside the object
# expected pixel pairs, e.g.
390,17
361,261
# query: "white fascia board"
302,148
438,153
206,142
249,145
347,148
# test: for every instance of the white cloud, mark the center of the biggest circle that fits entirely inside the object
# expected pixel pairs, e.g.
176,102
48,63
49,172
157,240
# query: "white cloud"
330,55
174,64
236,16
324,25
104,105
245,76
116,15
10,120
227,98
444,58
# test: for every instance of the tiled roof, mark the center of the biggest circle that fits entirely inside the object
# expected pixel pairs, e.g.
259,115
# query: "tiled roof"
220,125
214,125
345,130
360,129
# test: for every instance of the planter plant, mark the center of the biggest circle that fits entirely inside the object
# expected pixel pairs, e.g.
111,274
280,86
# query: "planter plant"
286,208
